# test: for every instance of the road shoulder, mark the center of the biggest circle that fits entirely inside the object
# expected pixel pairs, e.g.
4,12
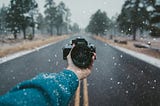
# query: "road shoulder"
146,58
33,48
143,57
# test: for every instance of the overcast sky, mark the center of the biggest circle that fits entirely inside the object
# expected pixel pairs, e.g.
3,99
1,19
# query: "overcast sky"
83,9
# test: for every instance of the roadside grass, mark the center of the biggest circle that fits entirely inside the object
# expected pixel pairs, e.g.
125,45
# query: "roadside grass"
130,46
22,45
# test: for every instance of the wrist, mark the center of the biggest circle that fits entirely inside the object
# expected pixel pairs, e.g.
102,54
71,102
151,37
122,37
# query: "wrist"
74,71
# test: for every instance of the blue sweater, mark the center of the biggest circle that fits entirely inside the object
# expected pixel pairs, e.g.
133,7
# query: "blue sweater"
46,89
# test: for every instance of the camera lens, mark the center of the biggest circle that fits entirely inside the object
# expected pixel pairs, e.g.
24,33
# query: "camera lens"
81,56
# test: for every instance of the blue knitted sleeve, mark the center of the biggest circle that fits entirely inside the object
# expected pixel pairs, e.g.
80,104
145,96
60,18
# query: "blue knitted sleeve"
46,89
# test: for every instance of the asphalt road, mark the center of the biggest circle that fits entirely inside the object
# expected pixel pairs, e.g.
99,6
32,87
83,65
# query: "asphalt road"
117,78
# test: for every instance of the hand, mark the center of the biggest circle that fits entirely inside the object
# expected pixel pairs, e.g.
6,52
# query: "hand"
81,73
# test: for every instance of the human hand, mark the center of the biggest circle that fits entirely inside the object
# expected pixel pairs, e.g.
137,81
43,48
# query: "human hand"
81,73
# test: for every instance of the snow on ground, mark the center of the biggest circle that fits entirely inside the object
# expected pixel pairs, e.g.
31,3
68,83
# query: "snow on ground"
27,47
143,57
21,53
147,55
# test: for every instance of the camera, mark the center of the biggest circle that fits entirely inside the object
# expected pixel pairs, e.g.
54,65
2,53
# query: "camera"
81,53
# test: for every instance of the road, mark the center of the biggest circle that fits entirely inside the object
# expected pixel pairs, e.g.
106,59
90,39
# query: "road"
117,78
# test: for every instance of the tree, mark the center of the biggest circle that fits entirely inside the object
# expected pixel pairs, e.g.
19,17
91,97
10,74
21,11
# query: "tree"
12,19
40,23
18,15
154,18
99,23
113,26
134,16
50,14
32,13
75,28
56,16
3,13
61,17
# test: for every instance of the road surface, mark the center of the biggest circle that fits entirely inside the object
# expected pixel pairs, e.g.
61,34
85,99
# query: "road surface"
117,78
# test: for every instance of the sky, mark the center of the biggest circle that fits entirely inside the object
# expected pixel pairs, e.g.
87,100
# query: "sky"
82,10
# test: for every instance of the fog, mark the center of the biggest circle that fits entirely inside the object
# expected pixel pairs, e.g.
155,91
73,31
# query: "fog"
82,10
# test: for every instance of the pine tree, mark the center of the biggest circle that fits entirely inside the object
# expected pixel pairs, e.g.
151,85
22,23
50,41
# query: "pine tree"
134,16
18,15
99,23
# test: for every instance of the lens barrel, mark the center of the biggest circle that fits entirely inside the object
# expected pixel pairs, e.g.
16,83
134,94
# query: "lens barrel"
81,56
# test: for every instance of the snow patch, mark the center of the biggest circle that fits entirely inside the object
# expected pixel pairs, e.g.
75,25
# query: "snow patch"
143,57
22,53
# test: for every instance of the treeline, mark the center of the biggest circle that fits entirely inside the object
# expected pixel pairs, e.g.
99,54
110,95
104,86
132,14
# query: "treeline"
136,15
22,16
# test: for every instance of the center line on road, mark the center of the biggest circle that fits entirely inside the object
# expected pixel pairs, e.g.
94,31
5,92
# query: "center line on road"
85,93
77,97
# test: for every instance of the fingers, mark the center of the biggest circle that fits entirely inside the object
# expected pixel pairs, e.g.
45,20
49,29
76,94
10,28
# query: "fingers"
93,58
69,59
69,55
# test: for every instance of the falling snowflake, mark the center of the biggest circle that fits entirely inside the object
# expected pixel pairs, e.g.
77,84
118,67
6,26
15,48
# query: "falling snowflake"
118,83
126,92
155,81
14,77
49,60
56,63
121,56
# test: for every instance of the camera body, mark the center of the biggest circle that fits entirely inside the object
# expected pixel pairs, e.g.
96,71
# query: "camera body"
82,52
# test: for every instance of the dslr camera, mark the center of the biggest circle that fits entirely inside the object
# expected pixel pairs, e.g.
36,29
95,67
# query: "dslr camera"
81,53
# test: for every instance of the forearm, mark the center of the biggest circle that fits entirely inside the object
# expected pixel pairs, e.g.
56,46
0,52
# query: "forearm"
44,89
